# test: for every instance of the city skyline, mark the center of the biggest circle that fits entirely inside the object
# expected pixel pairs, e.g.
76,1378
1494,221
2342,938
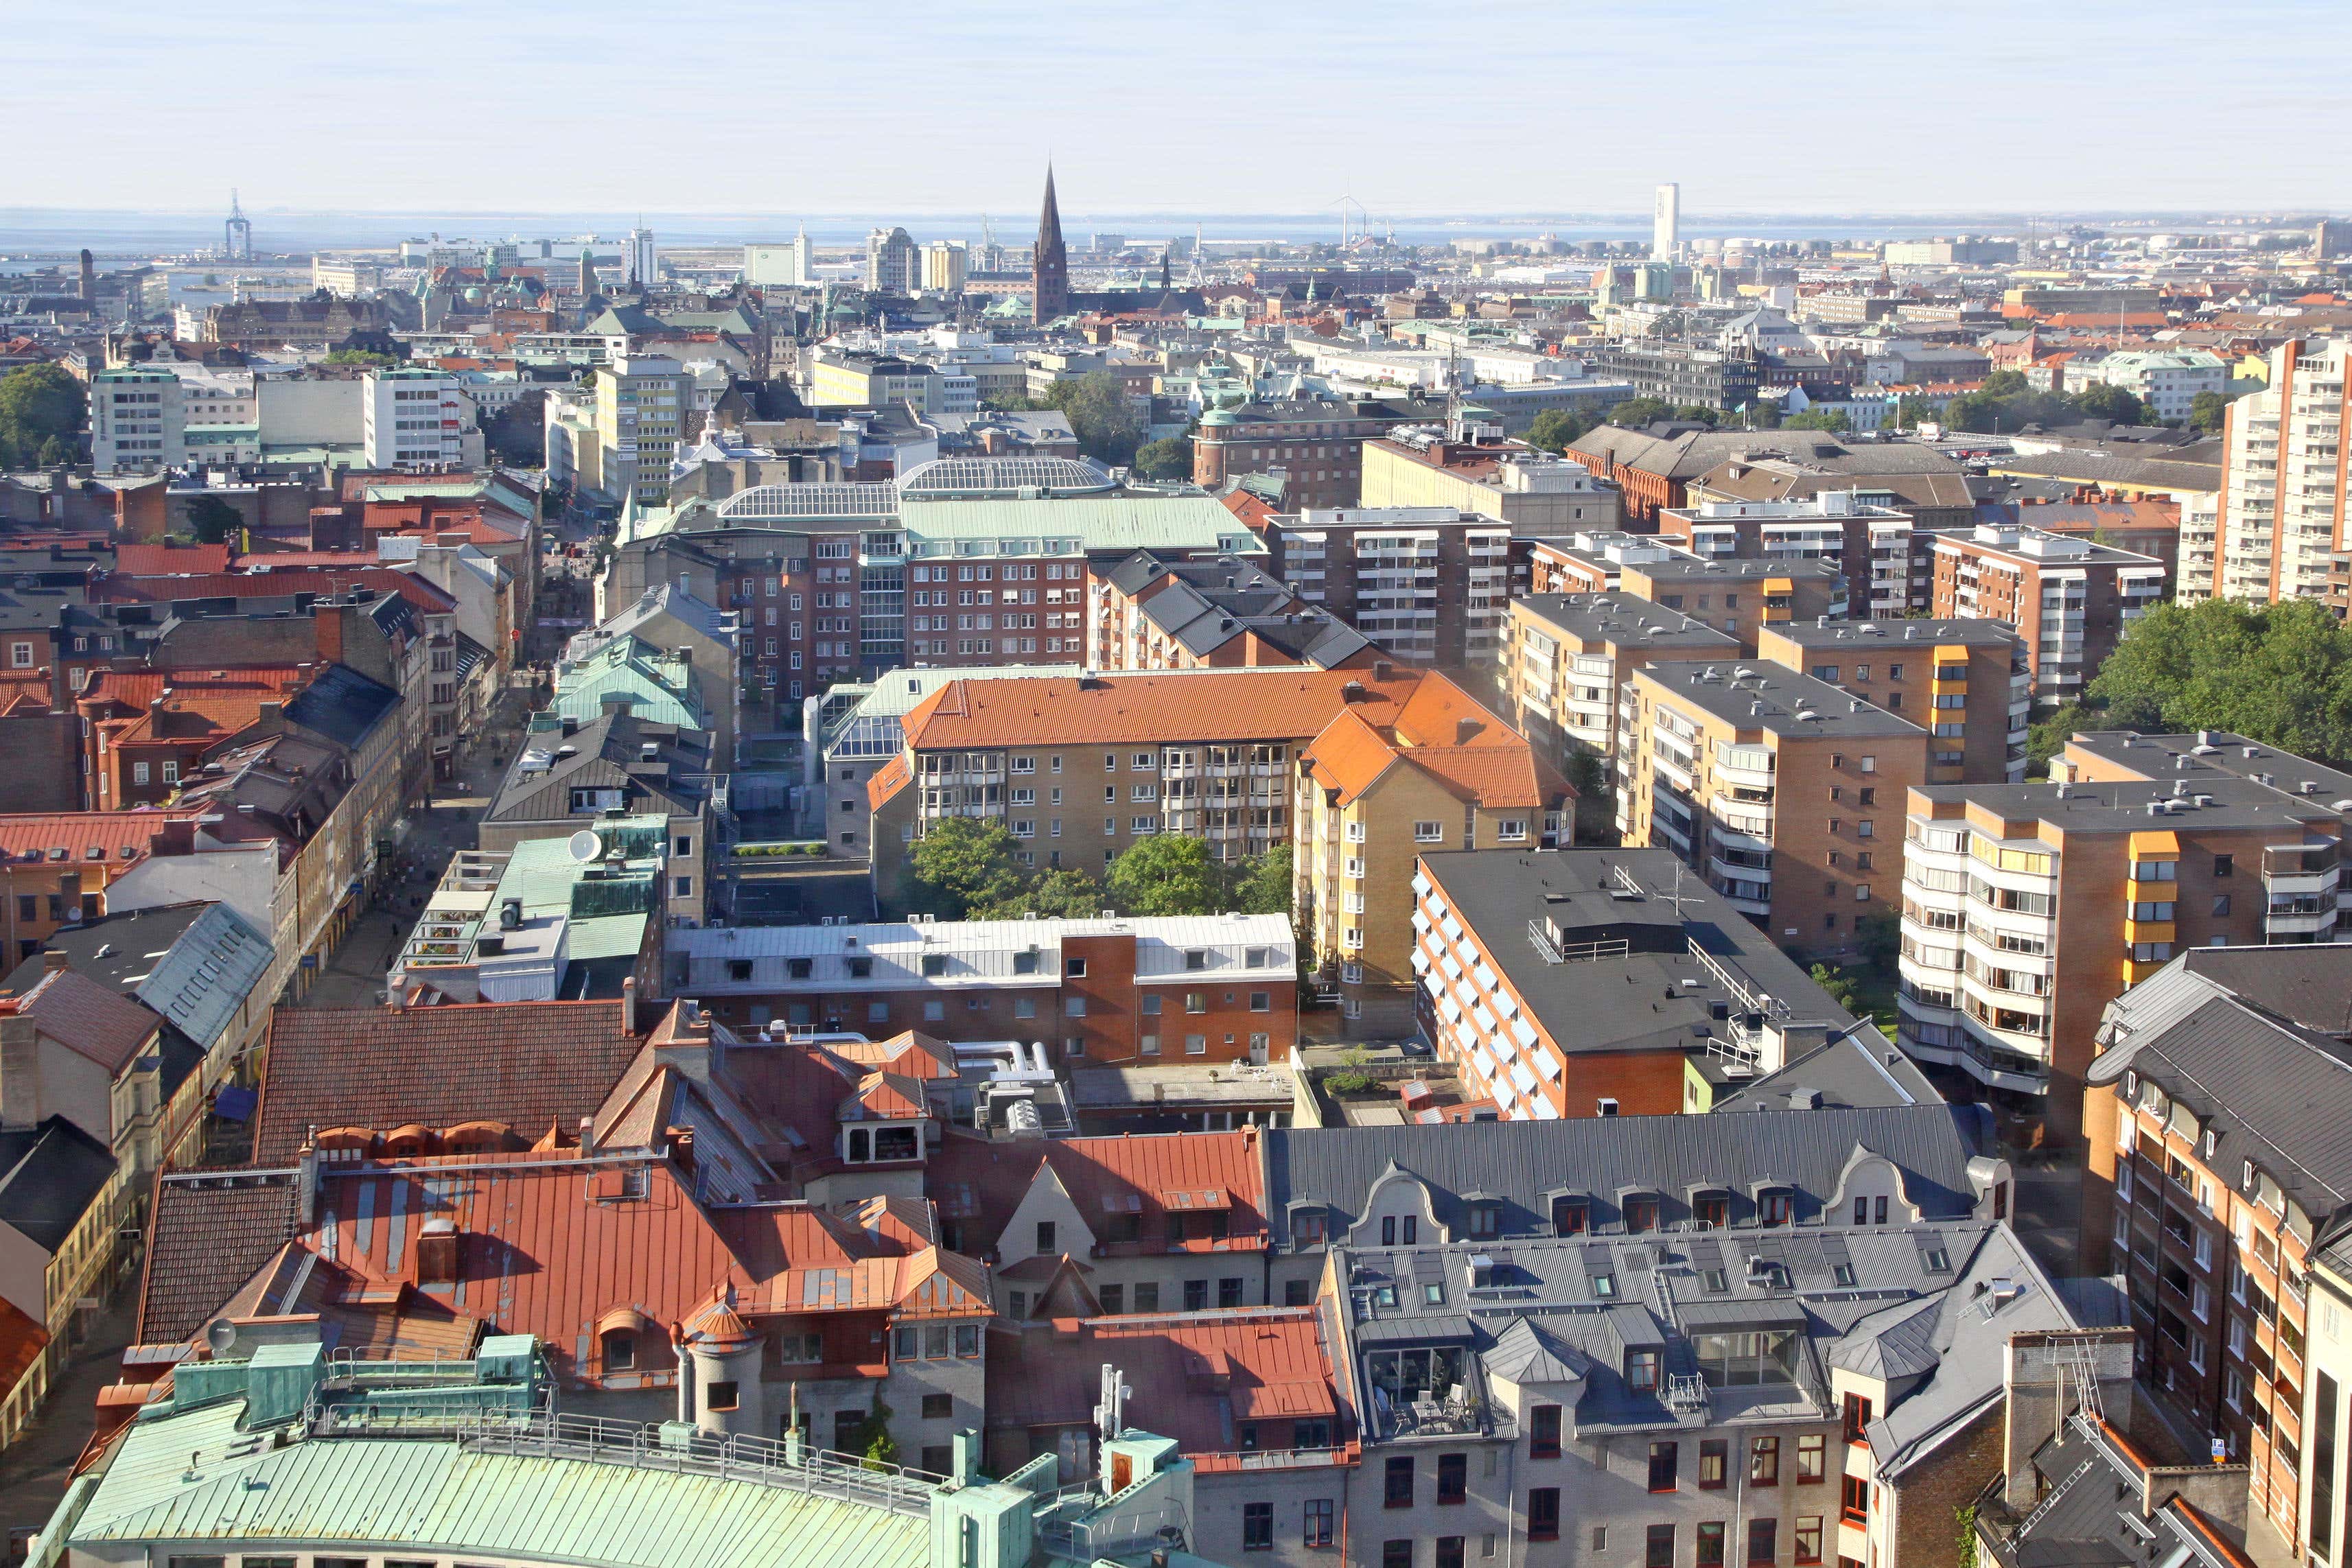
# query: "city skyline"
1582,117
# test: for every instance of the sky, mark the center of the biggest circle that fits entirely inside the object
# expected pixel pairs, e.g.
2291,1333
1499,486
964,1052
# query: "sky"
1220,105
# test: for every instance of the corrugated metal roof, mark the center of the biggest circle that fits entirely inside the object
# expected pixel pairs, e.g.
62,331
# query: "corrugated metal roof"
203,978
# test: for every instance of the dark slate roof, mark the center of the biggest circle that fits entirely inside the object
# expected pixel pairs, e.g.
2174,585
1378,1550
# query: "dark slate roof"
2273,1092
607,753
2088,1514
1525,1164
2206,754
341,705
49,1176
211,1232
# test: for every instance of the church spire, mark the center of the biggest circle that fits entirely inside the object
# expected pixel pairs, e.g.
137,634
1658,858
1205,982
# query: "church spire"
1050,272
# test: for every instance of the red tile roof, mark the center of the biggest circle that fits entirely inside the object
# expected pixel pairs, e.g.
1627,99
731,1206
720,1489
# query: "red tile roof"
112,838
209,1236
528,1064
88,1019
166,560
1447,735
1195,1377
21,1342
978,1184
417,590
1261,704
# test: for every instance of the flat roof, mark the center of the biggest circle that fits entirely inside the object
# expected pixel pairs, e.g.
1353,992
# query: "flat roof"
1829,631
2123,806
1734,566
1622,617
1775,698
2210,752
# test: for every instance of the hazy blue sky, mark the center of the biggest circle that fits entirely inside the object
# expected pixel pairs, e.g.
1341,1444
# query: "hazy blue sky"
1805,106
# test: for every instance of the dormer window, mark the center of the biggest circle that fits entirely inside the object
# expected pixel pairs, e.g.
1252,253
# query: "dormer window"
1485,1217
1570,1216
934,965
1776,1206
1308,1228
1711,1211
1641,1215
620,1351
861,969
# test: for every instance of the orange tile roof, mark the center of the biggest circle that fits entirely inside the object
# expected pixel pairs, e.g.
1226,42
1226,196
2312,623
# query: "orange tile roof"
169,560
24,694
979,1183
21,1342
1445,733
1263,705
888,780
112,838
196,704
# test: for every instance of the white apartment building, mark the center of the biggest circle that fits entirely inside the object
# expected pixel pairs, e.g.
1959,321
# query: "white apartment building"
2283,493
415,419
2167,381
892,264
135,420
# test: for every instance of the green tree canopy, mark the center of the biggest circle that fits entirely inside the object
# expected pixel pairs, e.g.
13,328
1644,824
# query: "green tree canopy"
1169,457
962,863
361,357
1555,429
2005,403
2206,410
1057,894
1105,421
1264,886
1168,874
212,520
1634,412
1834,420
2279,673
39,404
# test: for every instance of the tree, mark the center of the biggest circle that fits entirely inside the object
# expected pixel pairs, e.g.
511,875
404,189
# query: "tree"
361,357
1169,457
2047,738
2206,410
1168,874
2100,400
1057,894
1840,990
876,1446
213,522
1264,886
1832,420
1102,418
39,404
962,863
1556,429
1635,413
2279,673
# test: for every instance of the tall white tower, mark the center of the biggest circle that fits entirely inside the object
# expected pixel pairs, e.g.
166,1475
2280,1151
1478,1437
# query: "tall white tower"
1665,222
641,258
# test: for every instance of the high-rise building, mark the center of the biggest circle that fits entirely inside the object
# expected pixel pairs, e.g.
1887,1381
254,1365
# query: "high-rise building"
641,403
891,262
641,258
2071,598
1050,293
1665,223
414,418
2283,492
944,264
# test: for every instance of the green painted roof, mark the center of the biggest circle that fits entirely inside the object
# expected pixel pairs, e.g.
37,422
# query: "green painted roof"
426,1497
607,914
660,689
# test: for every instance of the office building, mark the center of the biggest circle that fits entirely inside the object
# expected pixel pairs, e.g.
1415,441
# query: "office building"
2027,906
1566,659
416,420
1443,773
944,264
1612,982
1967,682
1665,223
791,265
2070,597
642,404
2218,1167
2166,381
893,266
640,260
1211,988
840,379
2283,508
1315,449
1781,790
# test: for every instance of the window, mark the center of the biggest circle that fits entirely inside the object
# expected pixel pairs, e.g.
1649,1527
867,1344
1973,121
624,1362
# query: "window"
1543,1432
1764,1462
619,1352
1568,1215
1318,1522
1397,1486
1257,1527
2223,866
1449,1550
1429,832
1809,1460
1452,1477
1711,1464
1044,1236
1809,1540
1075,969
1763,1541
1856,1417
1853,1501
1641,1215
1396,1553
1196,1295
1710,1543
1712,1213
1600,1538
1229,1293
1543,1513
1663,1455
721,1397
1658,1551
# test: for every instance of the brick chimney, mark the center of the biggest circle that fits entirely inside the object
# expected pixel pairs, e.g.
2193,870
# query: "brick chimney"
22,1099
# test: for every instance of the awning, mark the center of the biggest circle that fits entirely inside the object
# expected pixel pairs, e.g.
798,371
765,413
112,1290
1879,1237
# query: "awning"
233,1103
626,1320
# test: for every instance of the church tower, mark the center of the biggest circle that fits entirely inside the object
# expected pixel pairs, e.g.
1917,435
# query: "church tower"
1050,296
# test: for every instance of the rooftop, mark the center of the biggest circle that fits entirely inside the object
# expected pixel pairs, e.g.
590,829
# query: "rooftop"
1622,618
1261,704
1777,700
1826,632
2206,753
2214,801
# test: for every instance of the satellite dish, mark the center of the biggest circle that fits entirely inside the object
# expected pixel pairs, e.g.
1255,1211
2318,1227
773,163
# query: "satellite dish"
585,847
221,1335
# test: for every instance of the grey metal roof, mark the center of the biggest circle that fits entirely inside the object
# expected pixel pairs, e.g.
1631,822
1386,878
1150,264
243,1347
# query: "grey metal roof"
341,705
1778,700
1622,618
606,754
1673,1157
193,963
2201,756
49,1176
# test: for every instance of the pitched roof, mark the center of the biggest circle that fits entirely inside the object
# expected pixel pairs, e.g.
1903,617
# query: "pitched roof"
528,1064
979,1183
170,560
111,837
211,1230
420,593
1443,732
49,1176
1130,709
87,1019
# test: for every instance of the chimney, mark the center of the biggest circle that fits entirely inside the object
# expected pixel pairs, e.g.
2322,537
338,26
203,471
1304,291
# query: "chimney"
1466,730
55,963
587,1137
21,1090
436,1251
1382,670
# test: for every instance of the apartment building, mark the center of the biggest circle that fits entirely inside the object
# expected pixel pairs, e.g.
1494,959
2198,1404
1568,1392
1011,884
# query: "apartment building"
2327,1359
1967,682
1472,469
2070,599
642,405
1222,613
416,420
1079,769
842,379
1871,544
1779,789
1428,584
1443,773
2167,380
1735,596
1614,982
1211,988
2027,906
2283,504
1566,658
2218,1170
1317,447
